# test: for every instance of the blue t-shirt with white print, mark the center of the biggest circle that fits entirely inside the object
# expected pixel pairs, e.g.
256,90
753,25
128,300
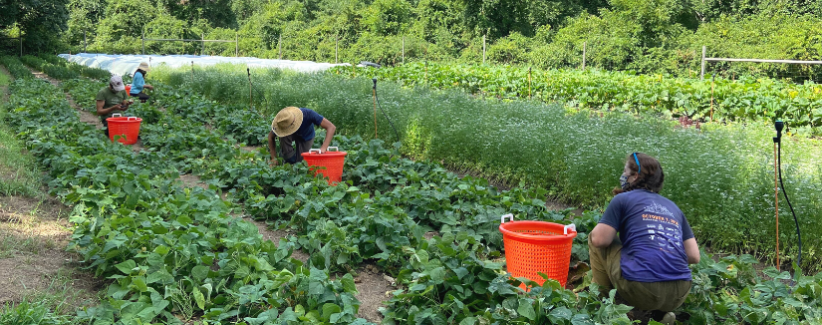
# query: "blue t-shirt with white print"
652,230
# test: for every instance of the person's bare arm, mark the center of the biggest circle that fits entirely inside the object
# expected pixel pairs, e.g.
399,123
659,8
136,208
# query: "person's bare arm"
272,148
148,86
603,235
329,133
104,111
691,250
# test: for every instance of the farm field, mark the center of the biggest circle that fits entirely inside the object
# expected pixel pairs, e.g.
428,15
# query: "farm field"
184,255
720,175
751,100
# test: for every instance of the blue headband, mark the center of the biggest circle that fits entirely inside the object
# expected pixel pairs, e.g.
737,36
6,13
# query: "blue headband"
638,167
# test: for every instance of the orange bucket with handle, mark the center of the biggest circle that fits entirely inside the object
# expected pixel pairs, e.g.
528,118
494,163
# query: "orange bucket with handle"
328,164
127,128
533,247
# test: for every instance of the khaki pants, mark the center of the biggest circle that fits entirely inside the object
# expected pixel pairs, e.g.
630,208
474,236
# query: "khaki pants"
287,151
663,296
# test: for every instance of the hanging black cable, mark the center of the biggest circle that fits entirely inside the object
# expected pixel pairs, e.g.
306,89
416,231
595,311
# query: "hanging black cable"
779,125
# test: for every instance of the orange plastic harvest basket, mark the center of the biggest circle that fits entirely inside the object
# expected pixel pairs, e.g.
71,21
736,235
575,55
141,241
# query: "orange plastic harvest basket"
329,163
128,128
533,247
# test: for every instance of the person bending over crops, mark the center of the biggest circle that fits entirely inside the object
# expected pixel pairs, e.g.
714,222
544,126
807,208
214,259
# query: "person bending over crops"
648,262
295,128
139,82
111,99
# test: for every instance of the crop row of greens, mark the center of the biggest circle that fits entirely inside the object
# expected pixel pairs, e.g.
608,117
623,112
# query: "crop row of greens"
381,215
168,250
743,100
58,68
720,176
15,67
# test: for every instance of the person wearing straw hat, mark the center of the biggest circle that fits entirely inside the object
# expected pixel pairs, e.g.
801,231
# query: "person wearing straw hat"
139,82
648,262
295,129
112,99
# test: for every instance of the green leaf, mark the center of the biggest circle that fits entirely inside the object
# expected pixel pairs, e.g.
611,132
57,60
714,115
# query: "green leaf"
126,267
469,321
315,282
348,283
330,309
526,309
198,298
200,272
184,220
139,283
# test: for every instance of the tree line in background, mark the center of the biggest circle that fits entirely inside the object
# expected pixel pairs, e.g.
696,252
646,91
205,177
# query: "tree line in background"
659,36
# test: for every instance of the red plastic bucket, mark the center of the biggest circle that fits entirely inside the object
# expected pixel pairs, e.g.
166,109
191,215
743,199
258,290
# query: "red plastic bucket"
127,128
329,163
533,247
128,89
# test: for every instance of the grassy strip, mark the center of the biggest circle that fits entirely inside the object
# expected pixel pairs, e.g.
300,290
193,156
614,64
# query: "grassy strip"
721,176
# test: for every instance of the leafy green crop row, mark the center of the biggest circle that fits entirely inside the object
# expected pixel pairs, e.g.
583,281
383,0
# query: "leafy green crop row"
167,250
746,99
63,70
721,176
15,67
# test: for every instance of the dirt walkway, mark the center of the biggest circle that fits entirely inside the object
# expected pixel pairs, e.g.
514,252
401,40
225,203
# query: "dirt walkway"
41,75
33,260
374,287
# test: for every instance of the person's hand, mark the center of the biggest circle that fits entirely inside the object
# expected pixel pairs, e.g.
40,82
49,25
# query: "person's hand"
149,87
323,149
273,162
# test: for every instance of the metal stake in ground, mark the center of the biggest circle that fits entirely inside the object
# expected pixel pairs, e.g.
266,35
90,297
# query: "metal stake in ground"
250,96
713,79
374,92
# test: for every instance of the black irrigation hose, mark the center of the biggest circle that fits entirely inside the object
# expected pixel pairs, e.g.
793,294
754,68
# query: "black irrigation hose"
377,99
782,184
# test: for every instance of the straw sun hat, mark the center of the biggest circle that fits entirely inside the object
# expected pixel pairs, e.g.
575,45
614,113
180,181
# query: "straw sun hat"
144,66
287,121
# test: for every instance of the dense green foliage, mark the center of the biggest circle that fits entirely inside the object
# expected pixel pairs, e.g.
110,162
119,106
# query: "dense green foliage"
58,68
721,176
15,67
647,36
38,22
746,99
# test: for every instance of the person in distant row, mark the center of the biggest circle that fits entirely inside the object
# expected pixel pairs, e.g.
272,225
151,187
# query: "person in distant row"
139,82
648,262
112,99
295,128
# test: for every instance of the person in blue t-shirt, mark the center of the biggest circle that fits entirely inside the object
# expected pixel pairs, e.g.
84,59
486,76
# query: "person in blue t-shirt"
139,82
648,262
295,129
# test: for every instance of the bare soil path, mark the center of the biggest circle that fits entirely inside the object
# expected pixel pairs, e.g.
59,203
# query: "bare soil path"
33,262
